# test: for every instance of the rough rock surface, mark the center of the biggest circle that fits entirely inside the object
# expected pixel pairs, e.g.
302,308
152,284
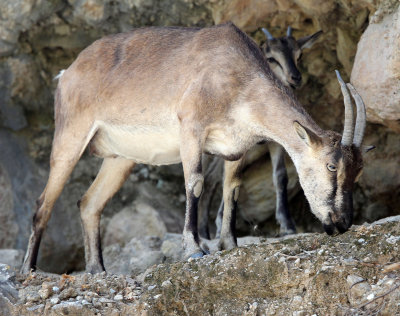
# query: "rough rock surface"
136,221
357,273
376,70
12,257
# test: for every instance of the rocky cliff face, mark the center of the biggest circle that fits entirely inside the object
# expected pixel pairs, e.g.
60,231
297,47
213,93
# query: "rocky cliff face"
39,38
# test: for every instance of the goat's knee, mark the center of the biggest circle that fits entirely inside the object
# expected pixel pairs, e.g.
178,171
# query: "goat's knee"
198,187
195,185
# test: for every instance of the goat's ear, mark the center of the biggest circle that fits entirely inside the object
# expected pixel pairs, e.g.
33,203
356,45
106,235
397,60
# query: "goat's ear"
366,149
308,41
307,136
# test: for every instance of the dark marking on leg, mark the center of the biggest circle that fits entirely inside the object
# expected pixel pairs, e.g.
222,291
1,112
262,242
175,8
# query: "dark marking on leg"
218,219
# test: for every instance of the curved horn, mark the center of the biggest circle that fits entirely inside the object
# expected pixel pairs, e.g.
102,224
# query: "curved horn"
267,34
361,119
289,31
347,137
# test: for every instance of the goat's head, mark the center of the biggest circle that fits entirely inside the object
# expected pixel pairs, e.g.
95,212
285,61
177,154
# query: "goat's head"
331,164
283,54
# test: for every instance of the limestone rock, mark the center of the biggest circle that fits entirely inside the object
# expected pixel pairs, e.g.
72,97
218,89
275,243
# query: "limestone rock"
242,14
135,257
317,7
62,245
12,257
257,193
376,71
171,247
93,12
7,216
19,15
8,291
137,221
345,49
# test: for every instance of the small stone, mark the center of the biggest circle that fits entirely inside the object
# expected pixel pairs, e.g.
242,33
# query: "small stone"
105,300
96,303
56,289
358,287
297,299
130,296
68,293
36,308
85,302
33,297
166,283
151,287
361,240
370,297
89,295
118,297
54,300
112,291
157,296
45,293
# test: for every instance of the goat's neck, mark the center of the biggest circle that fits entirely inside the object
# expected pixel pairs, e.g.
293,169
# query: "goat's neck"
274,112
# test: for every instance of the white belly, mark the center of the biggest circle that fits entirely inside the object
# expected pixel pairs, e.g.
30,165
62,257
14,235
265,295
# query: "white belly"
143,144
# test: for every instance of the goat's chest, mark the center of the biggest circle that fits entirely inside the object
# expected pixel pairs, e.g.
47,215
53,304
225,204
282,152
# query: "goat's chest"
227,143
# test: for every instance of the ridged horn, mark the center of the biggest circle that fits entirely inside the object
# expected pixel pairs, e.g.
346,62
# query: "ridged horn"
347,137
267,34
289,31
361,119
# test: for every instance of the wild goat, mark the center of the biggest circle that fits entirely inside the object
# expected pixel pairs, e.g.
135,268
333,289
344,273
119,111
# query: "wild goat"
162,95
282,56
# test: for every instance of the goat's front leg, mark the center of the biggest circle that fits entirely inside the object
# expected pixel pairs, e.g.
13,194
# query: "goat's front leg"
192,168
232,181
280,180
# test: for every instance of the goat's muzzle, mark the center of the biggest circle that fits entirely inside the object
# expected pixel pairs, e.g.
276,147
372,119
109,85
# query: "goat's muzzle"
338,224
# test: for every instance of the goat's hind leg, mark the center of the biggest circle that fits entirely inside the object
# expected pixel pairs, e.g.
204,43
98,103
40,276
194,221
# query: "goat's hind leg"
280,180
112,175
232,182
68,146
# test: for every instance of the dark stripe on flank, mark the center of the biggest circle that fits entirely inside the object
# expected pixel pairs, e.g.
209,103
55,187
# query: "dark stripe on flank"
117,55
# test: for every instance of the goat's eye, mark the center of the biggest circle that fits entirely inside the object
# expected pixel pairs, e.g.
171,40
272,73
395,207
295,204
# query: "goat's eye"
271,60
331,167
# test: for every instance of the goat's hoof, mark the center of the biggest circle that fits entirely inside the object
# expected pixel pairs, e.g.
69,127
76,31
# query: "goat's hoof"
95,269
196,255
227,244
25,270
287,232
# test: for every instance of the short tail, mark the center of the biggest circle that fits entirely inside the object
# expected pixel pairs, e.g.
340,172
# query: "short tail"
59,75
